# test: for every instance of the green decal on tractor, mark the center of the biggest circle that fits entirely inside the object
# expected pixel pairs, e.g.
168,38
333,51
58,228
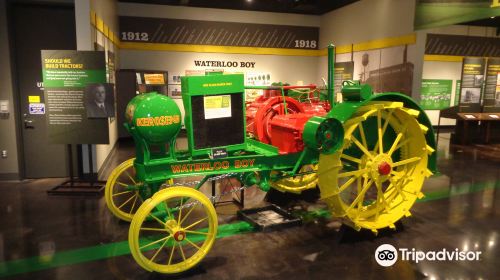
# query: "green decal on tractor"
369,156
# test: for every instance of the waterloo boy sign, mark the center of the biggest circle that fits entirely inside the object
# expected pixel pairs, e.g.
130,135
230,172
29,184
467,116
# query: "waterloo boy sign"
223,63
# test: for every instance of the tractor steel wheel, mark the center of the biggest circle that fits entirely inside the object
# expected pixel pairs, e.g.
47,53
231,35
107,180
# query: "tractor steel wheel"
378,174
168,239
121,192
298,183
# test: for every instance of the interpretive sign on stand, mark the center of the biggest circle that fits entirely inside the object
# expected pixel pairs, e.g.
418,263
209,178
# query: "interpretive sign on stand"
491,99
78,100
472,84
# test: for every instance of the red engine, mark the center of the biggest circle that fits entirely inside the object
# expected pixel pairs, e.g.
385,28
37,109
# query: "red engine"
279,121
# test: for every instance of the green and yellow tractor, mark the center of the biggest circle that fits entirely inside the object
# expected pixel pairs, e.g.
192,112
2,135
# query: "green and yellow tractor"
369,156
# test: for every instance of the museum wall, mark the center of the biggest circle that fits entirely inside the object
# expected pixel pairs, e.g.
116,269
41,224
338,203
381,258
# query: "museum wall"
9,168
88,36
10,137
447,70
107,11
378,36
367,20
282,68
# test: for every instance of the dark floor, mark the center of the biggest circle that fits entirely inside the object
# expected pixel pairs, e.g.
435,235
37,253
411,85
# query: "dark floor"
50,237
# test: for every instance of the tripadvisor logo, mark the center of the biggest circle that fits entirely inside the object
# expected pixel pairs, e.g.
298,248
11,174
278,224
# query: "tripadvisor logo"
387,255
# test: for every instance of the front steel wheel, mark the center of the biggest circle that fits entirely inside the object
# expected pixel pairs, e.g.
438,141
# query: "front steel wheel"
173,230
122,191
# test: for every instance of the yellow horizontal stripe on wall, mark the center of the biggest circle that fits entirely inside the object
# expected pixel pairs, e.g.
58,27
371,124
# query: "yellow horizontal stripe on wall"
385,43
99,24
116,40
343,49
443,58
111,36
448,58
92,18
216,49
105,30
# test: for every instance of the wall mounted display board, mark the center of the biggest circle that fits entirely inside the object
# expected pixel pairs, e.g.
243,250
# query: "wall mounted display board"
472,84
344,71
458,84
256,79
197,32
386,70
491,99
152,80
435,94
110,67
72,81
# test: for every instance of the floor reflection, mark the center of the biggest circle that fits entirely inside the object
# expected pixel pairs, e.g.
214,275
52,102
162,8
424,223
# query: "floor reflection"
461,210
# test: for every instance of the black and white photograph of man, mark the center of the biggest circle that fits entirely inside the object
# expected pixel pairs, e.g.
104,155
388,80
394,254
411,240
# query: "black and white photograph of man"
100,101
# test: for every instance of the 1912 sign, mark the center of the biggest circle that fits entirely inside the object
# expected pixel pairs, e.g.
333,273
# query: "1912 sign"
196,32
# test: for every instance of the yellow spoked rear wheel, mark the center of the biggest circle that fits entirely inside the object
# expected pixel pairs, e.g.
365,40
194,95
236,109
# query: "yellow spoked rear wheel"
121,192
377,176
168,237
298,183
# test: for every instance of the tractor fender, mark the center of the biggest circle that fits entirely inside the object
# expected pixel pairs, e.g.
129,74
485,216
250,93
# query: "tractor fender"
344,111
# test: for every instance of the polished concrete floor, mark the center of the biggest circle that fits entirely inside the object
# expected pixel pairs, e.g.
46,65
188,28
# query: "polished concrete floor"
58,237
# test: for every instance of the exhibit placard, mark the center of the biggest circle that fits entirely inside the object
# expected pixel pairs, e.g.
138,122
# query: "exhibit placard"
472,84
344,71
458,84
78,100
491,99
198,32
435,94
218,106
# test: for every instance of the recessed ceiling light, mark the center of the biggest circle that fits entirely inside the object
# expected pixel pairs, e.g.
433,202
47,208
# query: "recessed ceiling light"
249,1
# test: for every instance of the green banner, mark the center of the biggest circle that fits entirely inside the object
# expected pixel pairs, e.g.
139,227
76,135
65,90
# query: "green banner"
435,13
435,94
78,99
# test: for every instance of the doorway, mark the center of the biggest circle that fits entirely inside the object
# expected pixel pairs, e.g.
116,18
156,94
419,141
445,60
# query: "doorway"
35,27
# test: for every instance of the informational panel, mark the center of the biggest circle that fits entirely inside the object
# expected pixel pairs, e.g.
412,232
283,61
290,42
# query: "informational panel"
151,80
197,32
435,94
491,99
78,99
458,84
472,84
344,71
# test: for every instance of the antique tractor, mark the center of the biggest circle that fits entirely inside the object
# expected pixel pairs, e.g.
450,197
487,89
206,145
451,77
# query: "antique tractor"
369,155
